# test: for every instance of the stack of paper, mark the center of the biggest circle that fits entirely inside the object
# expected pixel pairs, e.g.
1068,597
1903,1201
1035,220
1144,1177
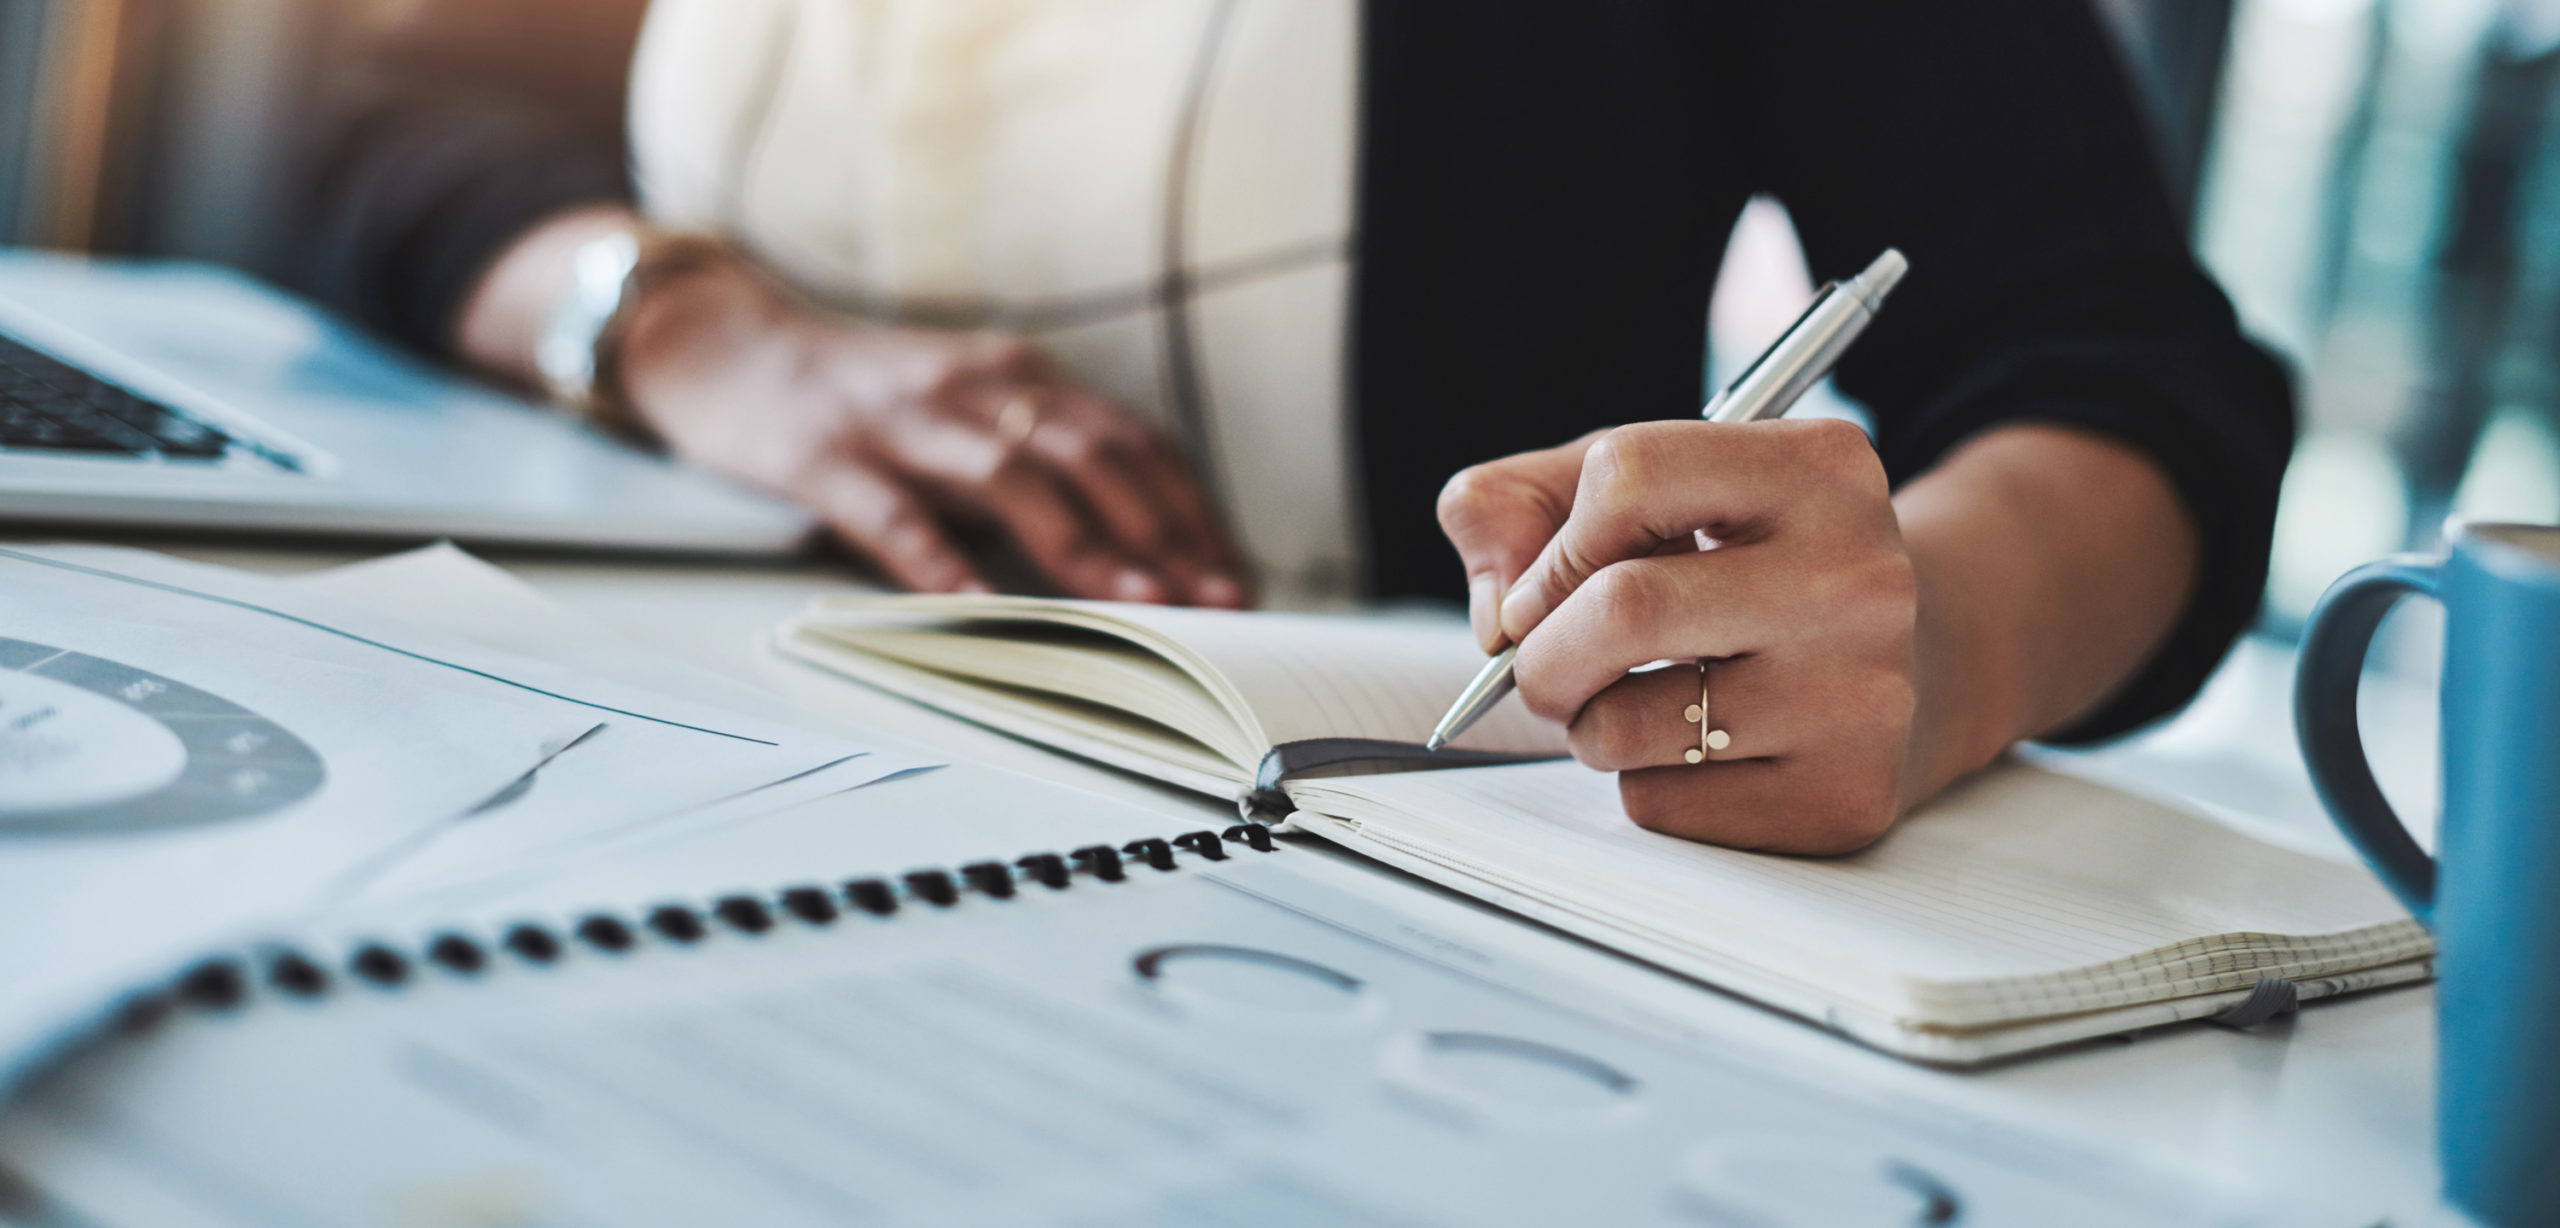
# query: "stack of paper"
188,753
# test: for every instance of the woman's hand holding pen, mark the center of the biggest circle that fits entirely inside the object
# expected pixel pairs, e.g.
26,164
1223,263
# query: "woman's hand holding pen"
1806,608
1866,648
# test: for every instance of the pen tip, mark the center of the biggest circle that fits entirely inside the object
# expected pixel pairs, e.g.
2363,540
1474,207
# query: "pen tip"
1435,742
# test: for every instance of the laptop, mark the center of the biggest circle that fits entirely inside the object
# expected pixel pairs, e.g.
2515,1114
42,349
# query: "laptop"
181,396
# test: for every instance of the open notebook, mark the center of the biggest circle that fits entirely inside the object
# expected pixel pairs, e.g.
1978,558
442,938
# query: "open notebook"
1200,698
2023,909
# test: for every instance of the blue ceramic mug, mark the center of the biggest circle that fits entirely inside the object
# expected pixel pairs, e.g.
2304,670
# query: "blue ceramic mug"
2492,891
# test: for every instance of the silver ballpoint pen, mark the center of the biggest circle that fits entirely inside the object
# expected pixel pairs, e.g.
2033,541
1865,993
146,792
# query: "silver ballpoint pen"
1801,357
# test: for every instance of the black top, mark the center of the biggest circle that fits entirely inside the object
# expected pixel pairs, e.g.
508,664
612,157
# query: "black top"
1545,193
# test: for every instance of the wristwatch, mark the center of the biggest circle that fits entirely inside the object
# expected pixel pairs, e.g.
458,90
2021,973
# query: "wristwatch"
577,352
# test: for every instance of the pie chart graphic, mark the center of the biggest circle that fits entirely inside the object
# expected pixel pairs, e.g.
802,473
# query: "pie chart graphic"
89,745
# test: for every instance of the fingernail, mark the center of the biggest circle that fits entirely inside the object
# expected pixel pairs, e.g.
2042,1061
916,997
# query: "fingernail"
1134,585
1484,608
1522,607
1220,591
974,586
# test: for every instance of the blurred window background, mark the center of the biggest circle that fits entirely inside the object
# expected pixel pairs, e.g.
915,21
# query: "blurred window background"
2376,182
2382,201
162,127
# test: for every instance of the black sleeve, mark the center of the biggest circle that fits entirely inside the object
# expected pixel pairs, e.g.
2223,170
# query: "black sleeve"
1996,142
448,135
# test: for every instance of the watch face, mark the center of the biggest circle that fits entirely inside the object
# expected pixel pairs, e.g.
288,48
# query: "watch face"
92,745
565,353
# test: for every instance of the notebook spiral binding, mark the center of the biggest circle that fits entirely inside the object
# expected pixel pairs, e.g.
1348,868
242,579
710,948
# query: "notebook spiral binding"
224,982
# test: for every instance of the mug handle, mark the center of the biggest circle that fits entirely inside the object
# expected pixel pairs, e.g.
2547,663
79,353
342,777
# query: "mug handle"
2324,719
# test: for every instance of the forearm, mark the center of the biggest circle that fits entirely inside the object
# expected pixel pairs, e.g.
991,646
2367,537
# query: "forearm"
2051,564
882,431
456,126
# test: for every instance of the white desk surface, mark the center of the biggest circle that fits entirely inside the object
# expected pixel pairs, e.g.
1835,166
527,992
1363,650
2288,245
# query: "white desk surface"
2333,1107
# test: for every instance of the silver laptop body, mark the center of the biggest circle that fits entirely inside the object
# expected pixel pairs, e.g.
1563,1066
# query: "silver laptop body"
190,397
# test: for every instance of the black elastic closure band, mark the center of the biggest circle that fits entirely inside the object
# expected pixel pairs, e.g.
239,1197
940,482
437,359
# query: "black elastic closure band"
2270,997
1269,803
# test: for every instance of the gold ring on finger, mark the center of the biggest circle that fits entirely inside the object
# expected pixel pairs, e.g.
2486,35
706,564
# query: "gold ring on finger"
1710,738
1018,419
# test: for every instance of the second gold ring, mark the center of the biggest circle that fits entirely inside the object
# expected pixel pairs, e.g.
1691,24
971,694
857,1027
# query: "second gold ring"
1018,419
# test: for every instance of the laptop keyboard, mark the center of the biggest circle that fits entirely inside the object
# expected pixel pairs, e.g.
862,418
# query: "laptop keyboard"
47,404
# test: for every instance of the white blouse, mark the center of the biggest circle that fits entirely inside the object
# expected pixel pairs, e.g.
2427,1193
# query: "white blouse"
1016,164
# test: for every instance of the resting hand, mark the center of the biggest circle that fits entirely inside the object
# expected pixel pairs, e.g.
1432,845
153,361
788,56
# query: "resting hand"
1805,609
895,436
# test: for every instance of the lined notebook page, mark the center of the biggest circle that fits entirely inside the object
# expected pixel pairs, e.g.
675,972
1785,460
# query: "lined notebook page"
1330,676
2020,893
